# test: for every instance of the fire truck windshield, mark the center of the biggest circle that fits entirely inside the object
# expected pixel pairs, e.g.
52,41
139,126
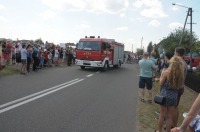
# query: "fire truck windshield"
88,45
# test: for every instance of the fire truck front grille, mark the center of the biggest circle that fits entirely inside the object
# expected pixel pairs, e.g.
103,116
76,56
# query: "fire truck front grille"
86,63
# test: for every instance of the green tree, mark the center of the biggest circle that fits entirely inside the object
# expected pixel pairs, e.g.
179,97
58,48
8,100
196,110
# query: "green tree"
150,47
39,41
156,50
172,40
139,51
196,47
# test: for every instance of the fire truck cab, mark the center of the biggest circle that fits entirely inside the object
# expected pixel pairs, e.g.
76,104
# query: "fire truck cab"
99,52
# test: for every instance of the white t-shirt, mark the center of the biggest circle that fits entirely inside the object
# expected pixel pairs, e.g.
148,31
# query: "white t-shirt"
56,53
19,45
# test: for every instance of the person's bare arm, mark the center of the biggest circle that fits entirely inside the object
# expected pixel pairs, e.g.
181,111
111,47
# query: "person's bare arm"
163,77
190,116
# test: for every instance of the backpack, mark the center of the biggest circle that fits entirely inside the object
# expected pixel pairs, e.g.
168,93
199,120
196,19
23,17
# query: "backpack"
6,50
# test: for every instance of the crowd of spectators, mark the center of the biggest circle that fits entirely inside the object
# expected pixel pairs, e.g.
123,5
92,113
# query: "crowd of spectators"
28,56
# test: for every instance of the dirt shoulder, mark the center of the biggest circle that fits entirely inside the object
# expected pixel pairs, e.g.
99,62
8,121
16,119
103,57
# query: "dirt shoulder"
146,113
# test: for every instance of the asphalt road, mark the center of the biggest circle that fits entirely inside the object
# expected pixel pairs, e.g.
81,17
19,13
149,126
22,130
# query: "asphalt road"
68,99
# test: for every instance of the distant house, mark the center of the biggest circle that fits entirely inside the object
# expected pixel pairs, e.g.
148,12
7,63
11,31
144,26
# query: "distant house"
31,42
64,45
70,44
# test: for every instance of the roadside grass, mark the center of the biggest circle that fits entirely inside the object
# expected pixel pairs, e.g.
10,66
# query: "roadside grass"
12,69
8,70
146,113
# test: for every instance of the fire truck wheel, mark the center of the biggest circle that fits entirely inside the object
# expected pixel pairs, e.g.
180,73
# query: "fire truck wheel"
83,67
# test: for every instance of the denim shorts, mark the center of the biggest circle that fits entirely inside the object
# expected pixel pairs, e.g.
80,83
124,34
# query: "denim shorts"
145,81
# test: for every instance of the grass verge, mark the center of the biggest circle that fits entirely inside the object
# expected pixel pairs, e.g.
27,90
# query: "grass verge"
146,113
8,70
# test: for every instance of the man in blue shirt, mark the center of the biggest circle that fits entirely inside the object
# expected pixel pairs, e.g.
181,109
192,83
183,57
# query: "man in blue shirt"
146,72
35,58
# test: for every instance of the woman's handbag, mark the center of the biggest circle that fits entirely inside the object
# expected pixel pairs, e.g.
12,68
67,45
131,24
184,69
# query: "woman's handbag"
159,99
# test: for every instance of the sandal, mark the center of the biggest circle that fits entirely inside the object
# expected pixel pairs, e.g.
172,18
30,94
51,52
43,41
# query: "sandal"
150,101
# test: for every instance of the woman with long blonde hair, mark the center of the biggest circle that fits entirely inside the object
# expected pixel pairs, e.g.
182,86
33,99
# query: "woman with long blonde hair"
170,81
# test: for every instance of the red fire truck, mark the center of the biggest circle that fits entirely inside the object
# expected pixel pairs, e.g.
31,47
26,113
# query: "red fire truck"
195,61
99,52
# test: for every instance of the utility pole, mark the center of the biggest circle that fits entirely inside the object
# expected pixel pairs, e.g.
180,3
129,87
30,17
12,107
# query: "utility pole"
132,48
184,27
141,42
189,13
190,9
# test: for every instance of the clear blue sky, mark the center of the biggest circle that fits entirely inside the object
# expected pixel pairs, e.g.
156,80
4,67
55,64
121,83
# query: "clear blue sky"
127,21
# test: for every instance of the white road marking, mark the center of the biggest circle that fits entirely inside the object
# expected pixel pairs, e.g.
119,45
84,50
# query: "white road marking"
89,75
29,96
37,97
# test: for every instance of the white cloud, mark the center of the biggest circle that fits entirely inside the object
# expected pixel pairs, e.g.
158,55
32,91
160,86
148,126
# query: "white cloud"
175,8
96,6
64,4
2,7
85,26
154,23
116,6
3,19
121,28
122,15
48,14
138,4
175,25
139,19
150,8
153,13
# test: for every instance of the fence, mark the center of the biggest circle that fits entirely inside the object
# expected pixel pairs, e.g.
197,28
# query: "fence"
193,81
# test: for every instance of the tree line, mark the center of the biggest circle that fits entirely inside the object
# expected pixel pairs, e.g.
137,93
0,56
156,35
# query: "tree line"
170,42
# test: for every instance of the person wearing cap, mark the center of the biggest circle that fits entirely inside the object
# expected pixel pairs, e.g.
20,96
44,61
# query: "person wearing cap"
146,69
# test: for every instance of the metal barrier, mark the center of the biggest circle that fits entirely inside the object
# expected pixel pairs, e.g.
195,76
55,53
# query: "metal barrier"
0,63
192,81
